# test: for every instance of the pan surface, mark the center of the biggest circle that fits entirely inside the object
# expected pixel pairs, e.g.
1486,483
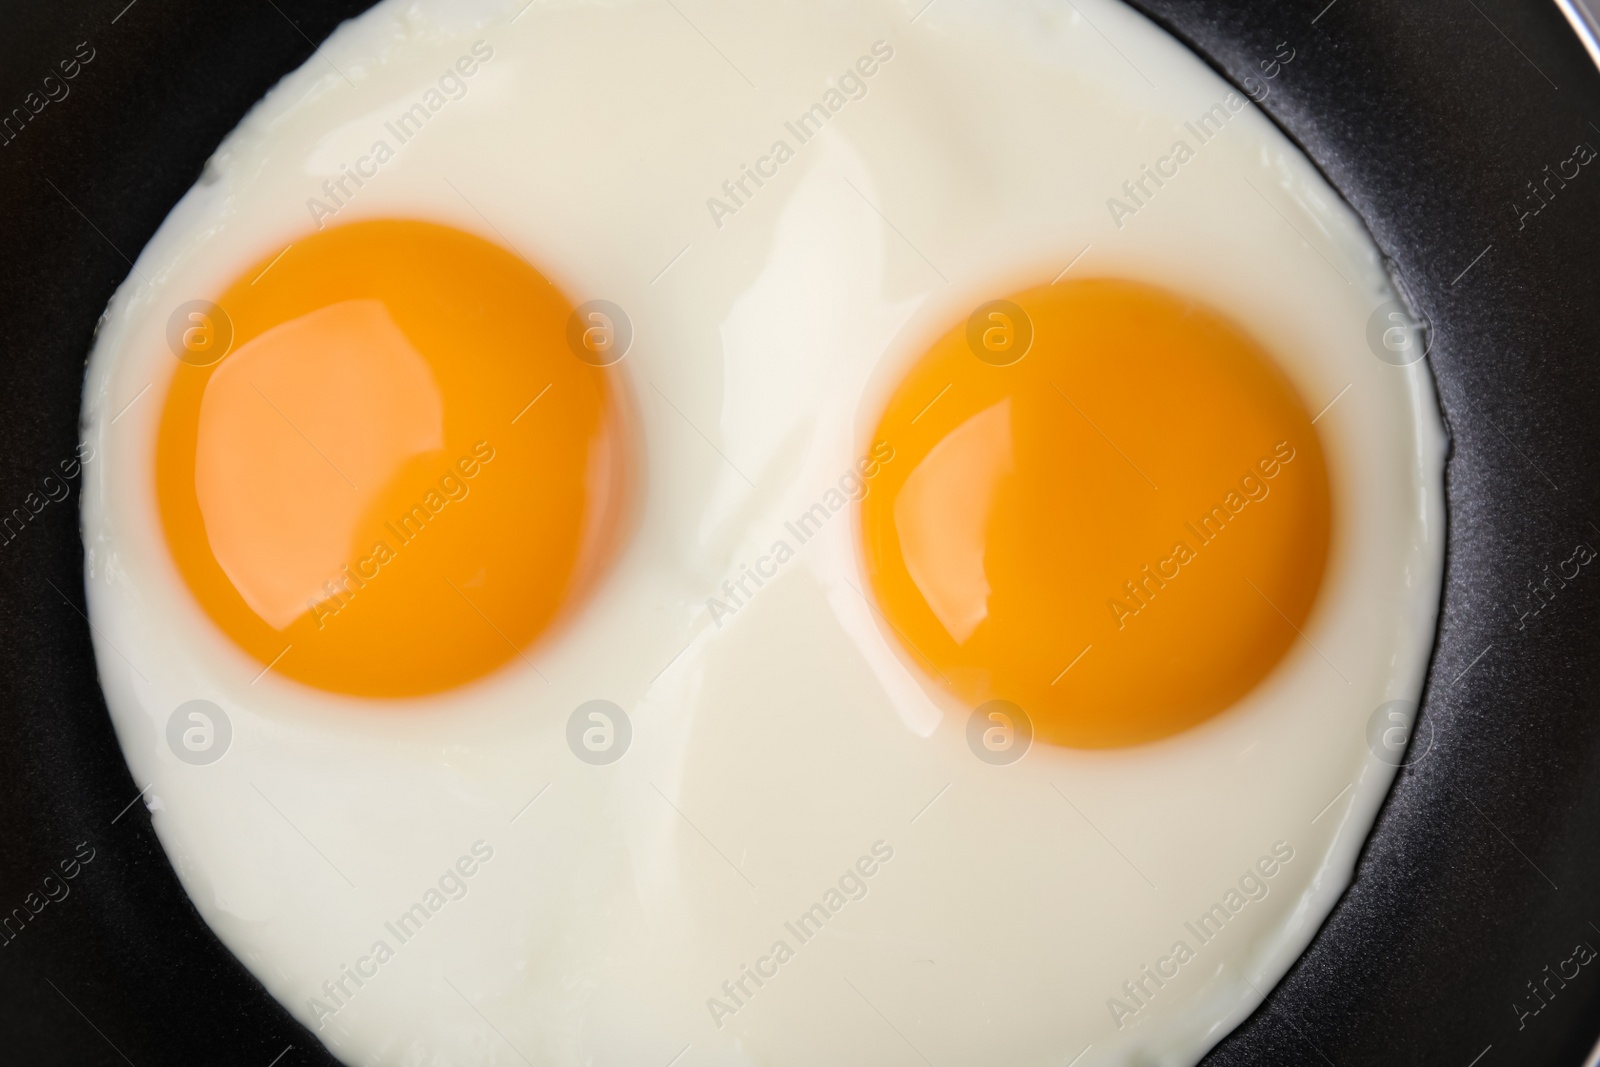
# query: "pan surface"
1434,119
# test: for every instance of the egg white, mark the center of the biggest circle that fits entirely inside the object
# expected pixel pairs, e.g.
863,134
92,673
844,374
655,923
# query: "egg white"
772,748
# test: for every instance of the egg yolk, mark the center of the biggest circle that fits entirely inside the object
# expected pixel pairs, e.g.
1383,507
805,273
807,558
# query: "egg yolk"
399,475
1107,505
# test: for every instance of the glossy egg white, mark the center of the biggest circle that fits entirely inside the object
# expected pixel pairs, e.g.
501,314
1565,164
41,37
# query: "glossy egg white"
782,755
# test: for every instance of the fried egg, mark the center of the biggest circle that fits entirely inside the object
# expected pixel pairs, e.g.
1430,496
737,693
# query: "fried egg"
762,534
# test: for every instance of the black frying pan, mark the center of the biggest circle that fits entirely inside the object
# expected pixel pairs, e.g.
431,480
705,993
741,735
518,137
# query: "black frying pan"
1430,116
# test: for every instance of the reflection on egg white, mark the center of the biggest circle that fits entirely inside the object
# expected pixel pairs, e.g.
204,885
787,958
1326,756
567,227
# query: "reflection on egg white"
451,881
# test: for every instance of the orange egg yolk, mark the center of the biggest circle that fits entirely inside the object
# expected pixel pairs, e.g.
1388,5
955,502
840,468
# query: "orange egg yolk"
399,476
1107,505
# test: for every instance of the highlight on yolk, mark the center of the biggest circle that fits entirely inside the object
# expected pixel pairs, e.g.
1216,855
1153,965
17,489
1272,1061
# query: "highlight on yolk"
1122,530
399,476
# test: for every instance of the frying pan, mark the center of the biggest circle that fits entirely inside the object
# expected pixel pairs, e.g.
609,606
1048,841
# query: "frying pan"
1436,119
